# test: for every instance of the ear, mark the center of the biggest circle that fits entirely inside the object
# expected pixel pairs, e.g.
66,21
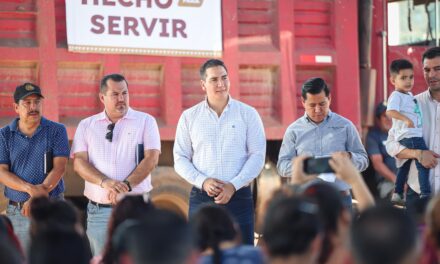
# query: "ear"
202,83
16,108
101,97
303,101
393,80
329,99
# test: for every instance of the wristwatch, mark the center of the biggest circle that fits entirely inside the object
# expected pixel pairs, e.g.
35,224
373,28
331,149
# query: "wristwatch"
128,185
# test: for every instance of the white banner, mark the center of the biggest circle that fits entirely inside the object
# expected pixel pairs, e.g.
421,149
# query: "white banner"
155,27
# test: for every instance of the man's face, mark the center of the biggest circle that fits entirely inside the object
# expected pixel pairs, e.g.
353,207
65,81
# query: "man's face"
216,84
431,72
316,106
115,99
385,122
29,108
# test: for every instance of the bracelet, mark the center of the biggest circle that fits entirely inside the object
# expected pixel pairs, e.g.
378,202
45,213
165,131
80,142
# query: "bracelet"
102,181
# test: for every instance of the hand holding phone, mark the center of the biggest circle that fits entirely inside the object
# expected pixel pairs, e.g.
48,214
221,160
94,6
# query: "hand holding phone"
317,165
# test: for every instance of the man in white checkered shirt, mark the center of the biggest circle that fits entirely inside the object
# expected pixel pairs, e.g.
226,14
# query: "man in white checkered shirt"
220,148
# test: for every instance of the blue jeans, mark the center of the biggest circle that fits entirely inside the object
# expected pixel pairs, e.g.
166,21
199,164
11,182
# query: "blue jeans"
21,225
241,206
402,172
97,221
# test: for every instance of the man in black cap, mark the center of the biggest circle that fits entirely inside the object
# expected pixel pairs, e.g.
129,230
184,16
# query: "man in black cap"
384,165
33,157
320,132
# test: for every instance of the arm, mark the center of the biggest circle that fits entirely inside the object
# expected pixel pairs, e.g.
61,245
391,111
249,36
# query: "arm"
345,171
57,172
12,181
145,167
287,153
256,150
396,115
183,154
381,168
359,156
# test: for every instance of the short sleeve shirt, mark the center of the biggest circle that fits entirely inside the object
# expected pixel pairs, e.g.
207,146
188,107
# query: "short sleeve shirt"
376,145
25,155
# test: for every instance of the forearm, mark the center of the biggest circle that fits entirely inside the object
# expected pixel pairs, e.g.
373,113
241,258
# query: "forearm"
86,171
14,182
409,154
144,168
250,170
57,172
361,193
383,170
396,115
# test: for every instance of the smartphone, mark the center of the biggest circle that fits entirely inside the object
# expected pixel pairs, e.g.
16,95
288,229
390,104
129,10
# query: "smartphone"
317,165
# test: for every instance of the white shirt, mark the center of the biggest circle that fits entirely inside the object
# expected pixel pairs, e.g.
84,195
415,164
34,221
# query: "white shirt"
430,110
116,159
407,105
230,148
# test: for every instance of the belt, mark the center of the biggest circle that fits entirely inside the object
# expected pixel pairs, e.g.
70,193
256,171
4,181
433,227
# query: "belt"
101,205
18,204
345,193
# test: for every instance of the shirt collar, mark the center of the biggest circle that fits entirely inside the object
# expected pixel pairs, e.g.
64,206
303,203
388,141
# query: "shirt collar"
230,99
129,115
329,115
14,124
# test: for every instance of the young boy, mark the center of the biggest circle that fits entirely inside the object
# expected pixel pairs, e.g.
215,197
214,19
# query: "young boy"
407,122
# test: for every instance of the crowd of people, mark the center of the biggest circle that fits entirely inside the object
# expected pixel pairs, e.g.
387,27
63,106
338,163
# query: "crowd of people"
220,149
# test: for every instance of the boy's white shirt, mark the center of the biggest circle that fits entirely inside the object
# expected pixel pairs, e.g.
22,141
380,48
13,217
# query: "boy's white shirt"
405,104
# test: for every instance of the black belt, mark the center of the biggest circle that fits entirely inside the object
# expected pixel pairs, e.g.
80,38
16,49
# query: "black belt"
101,205
18,204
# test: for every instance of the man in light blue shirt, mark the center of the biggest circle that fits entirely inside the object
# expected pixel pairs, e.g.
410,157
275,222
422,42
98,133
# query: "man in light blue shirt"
321,132
220,148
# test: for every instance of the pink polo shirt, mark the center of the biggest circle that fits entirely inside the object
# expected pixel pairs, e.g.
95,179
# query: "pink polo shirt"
115,159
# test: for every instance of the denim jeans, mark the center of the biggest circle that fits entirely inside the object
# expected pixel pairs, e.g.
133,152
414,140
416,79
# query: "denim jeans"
21,225
402,172
241,206
97,221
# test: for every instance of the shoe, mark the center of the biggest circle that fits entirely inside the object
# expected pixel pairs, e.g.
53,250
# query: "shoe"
398,199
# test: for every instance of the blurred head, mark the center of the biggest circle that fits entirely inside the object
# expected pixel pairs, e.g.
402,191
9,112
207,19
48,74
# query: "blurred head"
334,218
215,80
291,228
431,68
316,99
59,245
402,75
10,248
131,207
432,220
383,121
28,102
113,93
161,238
384,235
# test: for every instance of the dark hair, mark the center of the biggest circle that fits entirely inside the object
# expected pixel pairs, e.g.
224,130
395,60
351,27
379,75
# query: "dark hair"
211,225
290,225
431,53
47,213
330,209
314,86
114,77
401,64
59,245
209,64
130,207
383,235
10,248
161,238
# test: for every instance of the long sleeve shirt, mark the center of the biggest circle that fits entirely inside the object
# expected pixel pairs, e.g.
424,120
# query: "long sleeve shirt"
430,110
230,147
335,133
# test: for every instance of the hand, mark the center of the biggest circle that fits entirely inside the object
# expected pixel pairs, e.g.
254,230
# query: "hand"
213,187
226,194
113,197
344,168
38,190
298,175
409,123
428,159
26,209
114,186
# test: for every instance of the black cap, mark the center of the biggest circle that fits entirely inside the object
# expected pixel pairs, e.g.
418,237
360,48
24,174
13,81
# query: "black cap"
25,90
380,109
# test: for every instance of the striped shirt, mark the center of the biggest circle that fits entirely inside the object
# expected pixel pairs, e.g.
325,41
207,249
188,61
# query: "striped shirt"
335,133
116,159
230,148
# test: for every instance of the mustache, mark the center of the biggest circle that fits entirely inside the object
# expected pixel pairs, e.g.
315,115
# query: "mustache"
33,112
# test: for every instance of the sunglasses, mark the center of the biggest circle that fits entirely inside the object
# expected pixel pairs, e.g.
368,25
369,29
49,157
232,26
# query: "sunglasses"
109,135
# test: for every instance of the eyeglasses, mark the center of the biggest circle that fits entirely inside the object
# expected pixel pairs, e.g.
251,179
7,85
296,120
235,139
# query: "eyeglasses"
109,135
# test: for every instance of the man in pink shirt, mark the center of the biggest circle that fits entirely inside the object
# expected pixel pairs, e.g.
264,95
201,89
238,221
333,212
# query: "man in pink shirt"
106,148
